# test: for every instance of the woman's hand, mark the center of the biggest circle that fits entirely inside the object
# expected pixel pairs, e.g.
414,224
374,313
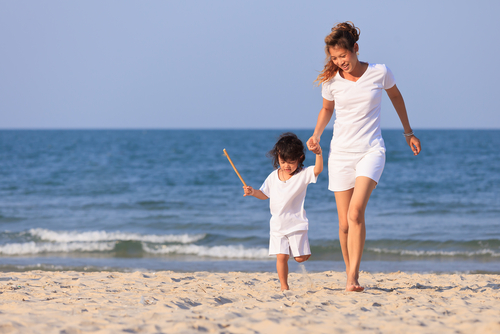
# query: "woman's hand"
324,117
414,144
313,144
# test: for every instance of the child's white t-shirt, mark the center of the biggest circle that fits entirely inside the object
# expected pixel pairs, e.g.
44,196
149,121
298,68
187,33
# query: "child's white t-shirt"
286,200
357,106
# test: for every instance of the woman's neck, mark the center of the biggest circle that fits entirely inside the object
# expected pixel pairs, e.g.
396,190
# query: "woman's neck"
355,74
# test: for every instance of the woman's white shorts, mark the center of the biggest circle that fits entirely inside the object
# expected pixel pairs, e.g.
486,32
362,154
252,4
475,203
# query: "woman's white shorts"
294,244
345,167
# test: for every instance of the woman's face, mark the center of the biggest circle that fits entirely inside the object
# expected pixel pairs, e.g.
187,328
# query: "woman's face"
343,58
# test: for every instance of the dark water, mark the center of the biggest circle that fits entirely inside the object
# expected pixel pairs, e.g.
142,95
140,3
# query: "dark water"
169,200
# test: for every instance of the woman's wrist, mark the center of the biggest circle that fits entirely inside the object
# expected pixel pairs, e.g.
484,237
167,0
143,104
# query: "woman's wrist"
408,133
316,136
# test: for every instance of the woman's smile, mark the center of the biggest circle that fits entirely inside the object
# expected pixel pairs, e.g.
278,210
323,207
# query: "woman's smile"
344,59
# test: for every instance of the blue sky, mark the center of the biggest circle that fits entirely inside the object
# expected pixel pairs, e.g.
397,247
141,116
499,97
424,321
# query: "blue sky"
237,64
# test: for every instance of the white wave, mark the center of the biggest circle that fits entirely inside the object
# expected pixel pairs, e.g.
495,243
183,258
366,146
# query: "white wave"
65,247
434,253
233,252
71,236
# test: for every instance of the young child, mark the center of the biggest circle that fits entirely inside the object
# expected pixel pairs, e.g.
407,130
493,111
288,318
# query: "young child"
286,187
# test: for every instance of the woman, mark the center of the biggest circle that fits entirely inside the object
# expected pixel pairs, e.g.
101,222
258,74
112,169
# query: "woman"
357,153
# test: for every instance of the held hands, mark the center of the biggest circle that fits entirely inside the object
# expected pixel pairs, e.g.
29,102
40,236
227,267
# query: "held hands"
414,144
313,145
249,191
317,150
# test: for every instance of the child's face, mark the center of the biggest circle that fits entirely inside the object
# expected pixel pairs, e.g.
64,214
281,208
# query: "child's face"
288,167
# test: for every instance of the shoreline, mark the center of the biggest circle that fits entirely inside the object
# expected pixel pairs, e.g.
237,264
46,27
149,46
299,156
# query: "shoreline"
225,265
246,302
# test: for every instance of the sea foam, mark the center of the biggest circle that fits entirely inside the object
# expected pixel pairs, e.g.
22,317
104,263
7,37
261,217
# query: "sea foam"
72,236
435,252
65,247
230,251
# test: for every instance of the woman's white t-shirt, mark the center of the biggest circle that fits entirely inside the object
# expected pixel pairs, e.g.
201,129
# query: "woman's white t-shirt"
286,200
358,104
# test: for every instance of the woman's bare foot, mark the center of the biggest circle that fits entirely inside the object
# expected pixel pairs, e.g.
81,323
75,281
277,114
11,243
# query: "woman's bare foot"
353,285
285,287
354,288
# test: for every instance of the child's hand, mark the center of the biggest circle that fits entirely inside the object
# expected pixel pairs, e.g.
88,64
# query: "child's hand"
248,191
316,150
313,144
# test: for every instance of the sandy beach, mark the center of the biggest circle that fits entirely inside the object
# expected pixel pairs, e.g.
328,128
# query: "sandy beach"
236,302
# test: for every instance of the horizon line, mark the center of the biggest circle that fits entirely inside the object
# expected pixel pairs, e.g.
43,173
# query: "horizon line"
224,129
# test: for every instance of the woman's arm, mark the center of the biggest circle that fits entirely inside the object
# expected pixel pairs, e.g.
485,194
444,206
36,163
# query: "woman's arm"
399,104
324,117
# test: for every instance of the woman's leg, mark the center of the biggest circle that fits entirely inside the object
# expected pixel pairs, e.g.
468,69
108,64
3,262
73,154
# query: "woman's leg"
282,268
342,199
353,241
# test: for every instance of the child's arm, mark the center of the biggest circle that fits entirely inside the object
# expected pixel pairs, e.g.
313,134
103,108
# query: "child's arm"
318,167
249,191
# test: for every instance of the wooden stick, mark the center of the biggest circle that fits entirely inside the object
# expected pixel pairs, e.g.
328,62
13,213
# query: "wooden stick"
228,158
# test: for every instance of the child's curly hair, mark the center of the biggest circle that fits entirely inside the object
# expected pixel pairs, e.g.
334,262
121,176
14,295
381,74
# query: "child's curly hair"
290,148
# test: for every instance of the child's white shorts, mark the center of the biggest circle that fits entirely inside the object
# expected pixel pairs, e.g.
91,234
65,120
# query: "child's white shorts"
294,244
345,167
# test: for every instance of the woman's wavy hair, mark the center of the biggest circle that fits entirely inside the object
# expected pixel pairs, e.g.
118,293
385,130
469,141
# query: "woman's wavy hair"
290,148
343,35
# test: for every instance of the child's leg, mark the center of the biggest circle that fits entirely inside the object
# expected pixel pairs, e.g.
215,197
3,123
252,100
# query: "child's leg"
282,268
302,258
299,246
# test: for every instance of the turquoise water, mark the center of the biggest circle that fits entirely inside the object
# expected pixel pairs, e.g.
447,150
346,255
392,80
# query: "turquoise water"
169,200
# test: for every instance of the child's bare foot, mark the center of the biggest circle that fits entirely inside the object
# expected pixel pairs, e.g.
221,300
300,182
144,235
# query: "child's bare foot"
285,287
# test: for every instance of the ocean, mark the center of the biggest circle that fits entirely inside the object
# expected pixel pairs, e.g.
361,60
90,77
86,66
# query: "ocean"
128,200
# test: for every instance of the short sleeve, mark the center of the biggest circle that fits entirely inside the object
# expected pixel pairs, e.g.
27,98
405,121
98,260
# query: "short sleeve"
311,177
266,187
326,92
389,80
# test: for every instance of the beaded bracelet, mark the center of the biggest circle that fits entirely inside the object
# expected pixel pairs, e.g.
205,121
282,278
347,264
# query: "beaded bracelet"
409,134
